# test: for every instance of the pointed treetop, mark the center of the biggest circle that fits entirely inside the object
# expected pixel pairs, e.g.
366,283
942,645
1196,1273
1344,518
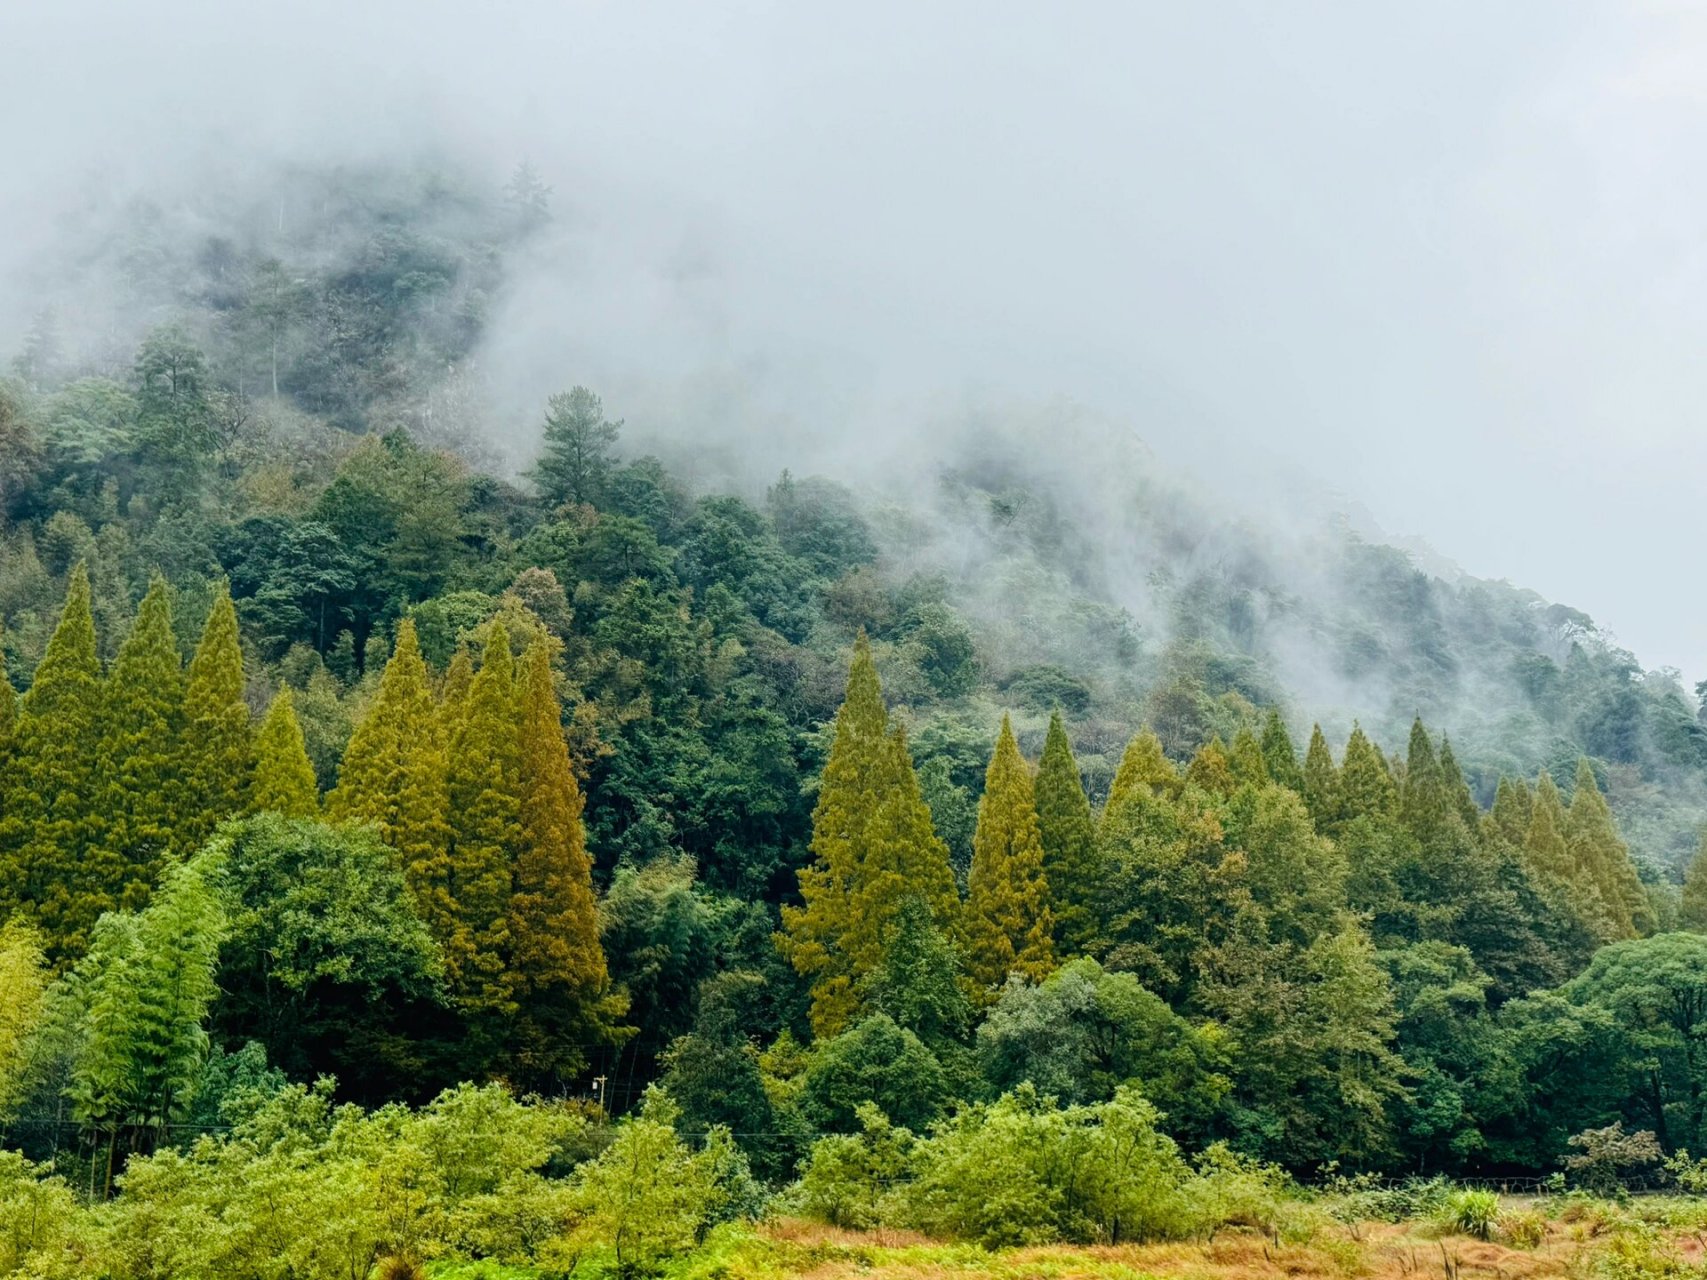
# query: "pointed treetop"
1321,780
1209,769
1365,785
284,777
1279,754
1143,765
1246,759
1071,864
70,654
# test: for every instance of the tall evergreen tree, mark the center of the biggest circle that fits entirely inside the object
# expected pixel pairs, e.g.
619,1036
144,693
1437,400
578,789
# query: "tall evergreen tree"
1280,755
1692,909
1321,781
140,811
1423,801
1246,760
8,714
1210,770
1144,764
1067,828
1513,810
393,781
873,846
556,961
1365,784
1008,923
485,830
218,743
576,461
1600,857
48,823
1457,787
284,776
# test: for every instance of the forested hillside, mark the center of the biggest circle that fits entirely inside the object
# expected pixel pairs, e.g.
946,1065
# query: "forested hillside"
859,826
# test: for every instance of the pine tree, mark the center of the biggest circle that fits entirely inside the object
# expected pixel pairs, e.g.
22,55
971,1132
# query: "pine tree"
1144,764
1008,924
903,859
1279,754
1423,801
1321,781
48,826
1600,857
1067,828
1692,909
140,811
1210,770
485,830
8,714
218,744
1246,760
284,777
871,831
1457,787
393,781
556,961
1548,860
1513,810
1366,788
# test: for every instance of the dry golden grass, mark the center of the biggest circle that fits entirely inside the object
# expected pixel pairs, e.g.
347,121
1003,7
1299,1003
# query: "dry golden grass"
1370,1251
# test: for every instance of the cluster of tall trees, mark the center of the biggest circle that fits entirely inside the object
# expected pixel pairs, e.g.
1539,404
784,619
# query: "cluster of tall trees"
112,777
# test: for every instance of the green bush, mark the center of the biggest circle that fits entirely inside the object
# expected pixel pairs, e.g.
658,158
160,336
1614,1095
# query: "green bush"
1471,1212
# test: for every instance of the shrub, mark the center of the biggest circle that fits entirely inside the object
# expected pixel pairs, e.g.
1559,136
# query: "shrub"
848,1178
1525,1230
1471,1212
1023,1171
1602,1157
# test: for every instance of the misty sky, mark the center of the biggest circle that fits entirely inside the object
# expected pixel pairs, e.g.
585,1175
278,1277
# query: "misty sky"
1445,260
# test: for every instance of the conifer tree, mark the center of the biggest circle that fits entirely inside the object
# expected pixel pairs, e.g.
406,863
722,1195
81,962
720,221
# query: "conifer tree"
1144,764
1457,787
1067,828
1279,754
1548,860
485,827
1321,781
1210,770
453,698
218,744
1245,758
284,776
1513,810
48,826
556,961
1008,924
140,814
1423,801
393,781
8,714
873,846
1365,785
1600,857
1692,908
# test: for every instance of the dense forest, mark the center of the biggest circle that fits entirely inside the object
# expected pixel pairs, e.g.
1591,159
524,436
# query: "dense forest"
404,856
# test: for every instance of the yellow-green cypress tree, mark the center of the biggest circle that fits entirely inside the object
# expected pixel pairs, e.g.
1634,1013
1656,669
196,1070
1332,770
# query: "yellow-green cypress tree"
219,751
140,809
453,697
1321,781
1692,908
284,776
1007,919
1210,770
1143,764
556,961
48,823
485,831
1601,857
1245,758
902,858
1548,860
1365,786
393,780
1513,810
1280,755
873,846
1067,827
